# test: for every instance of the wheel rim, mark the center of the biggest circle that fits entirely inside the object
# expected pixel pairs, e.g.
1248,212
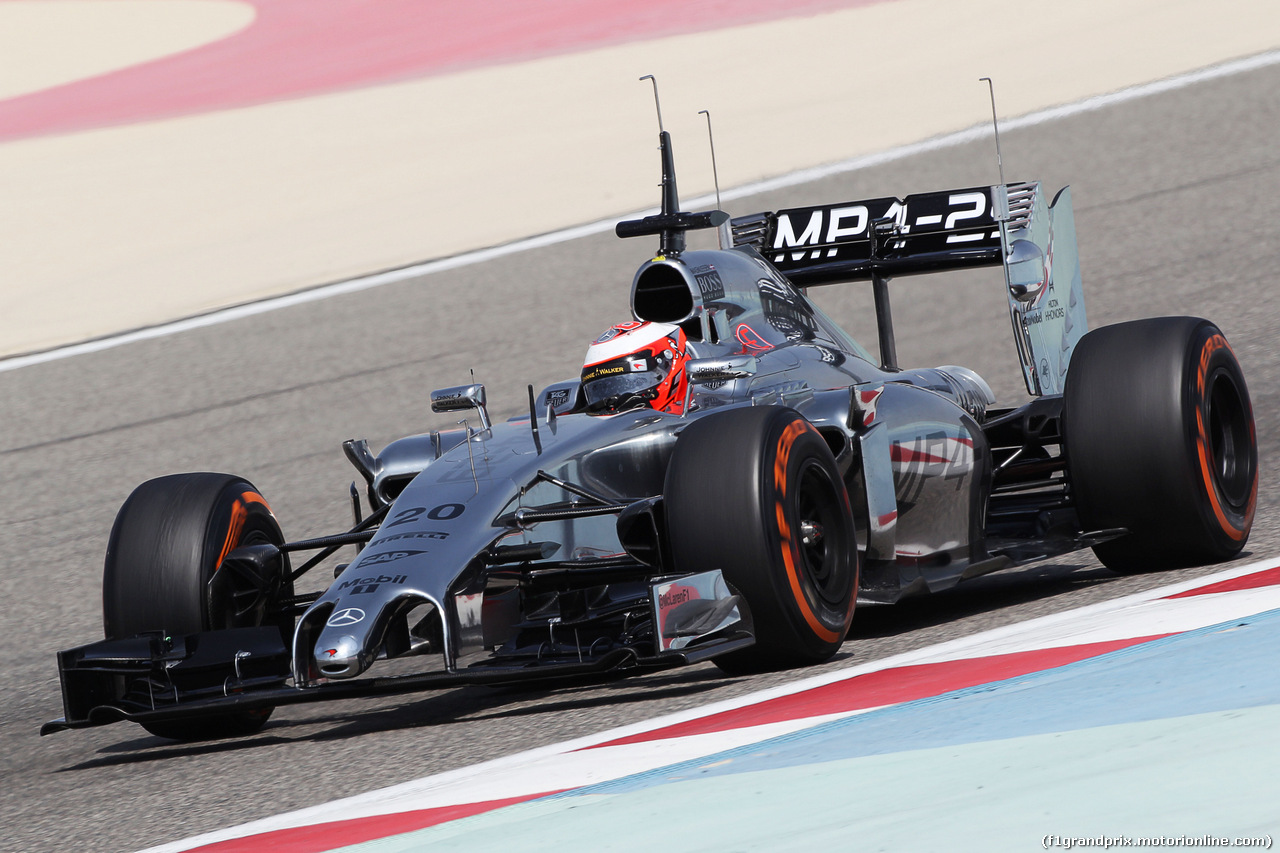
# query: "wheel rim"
1230,441
823,544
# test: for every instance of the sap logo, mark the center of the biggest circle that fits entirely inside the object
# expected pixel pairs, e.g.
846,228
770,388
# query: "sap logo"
386,557
825,226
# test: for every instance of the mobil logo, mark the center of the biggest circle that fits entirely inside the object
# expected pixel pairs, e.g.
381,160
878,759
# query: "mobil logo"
361,586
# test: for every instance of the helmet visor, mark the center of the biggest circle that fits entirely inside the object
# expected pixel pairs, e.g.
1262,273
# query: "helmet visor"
599,391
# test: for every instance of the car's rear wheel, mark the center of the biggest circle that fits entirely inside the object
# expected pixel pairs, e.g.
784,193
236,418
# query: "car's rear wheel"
161,574
1160,440
755,492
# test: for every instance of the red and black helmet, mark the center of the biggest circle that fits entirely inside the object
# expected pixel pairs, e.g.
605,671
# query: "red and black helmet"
636,364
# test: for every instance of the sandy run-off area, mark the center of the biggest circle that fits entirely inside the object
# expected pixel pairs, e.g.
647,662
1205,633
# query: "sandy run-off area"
155,192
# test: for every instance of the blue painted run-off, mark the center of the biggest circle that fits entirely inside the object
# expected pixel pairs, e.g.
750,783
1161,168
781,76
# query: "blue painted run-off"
1178,737
1219,668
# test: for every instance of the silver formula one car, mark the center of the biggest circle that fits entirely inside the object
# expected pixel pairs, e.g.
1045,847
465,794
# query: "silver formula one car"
729,475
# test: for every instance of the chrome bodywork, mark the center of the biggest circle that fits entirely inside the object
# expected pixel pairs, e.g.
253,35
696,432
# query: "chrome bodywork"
467,503
909,443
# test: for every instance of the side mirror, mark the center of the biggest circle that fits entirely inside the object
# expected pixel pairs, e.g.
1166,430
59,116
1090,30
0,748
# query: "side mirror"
704,371
461,397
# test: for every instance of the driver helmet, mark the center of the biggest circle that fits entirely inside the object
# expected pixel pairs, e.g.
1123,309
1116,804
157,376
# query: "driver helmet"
636,364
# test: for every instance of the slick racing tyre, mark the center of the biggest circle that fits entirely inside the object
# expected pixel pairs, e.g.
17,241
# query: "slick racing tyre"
1160,440
755,492
161,574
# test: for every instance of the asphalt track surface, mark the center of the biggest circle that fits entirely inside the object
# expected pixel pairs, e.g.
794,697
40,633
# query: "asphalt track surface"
1176,205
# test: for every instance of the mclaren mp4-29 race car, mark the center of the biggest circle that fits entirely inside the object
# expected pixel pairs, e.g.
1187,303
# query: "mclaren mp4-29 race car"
729,474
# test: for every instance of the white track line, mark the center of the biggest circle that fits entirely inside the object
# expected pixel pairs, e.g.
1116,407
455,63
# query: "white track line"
315,294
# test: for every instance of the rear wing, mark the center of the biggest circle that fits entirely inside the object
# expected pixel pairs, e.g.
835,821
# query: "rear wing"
877,239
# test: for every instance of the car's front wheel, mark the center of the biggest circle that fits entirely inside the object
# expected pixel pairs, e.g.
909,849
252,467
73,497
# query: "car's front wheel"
1160,440
162,574
755,492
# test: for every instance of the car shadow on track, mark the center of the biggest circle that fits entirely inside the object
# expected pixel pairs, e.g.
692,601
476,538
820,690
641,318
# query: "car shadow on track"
877,631
147,748
467,706
983,599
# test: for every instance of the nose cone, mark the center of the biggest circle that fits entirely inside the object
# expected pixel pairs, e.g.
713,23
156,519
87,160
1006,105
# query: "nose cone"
339,657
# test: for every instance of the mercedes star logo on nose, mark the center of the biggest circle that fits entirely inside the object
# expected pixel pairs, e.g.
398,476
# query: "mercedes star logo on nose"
350,616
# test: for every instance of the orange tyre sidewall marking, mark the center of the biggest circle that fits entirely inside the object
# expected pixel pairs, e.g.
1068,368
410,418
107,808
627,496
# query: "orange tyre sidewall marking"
781,459
239,514
1211,346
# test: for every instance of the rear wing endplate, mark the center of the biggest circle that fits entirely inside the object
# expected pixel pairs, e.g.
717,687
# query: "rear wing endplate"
877,239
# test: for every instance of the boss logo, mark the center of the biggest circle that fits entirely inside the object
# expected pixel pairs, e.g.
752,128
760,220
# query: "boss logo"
710,285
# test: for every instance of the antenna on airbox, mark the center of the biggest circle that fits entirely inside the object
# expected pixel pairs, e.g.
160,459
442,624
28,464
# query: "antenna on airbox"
670,224
995,124
715,174
671,240
723,234
657,103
